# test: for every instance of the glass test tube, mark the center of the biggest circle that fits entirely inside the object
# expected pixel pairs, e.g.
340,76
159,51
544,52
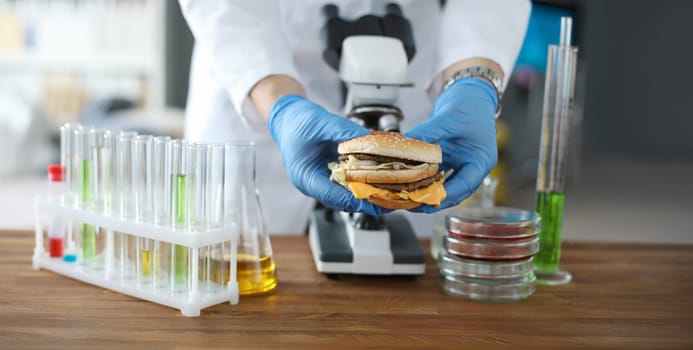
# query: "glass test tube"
558,98
78,139
179,255
161,169
92,240
161,175
103,165
67,159
214,195
107,190
197,175
196,185
141,178
83,186
161,187
56,230
122,201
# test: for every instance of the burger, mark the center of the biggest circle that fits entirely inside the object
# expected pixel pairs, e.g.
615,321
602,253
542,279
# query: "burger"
390,170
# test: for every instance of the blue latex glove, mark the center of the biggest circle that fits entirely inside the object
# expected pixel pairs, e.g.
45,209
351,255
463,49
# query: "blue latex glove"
307,136
463,123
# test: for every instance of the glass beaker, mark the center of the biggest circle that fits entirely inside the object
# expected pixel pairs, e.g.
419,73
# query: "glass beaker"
255,267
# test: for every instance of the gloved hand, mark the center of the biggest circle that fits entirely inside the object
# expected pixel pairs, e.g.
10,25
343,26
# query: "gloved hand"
463,123
307,136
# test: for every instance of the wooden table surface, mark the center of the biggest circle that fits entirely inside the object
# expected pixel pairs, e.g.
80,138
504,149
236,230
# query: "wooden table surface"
634,296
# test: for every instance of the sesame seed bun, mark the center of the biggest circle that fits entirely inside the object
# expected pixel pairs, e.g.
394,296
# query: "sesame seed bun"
394,145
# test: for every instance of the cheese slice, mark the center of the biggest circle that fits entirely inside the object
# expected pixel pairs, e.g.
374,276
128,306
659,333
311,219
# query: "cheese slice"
364,191
431,195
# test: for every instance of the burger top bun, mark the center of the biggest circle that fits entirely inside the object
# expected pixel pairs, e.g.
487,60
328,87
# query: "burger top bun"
394,145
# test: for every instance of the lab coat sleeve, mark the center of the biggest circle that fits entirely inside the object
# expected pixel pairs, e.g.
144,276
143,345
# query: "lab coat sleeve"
493,29
245,43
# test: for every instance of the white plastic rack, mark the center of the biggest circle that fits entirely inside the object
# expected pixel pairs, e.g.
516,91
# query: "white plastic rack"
190,302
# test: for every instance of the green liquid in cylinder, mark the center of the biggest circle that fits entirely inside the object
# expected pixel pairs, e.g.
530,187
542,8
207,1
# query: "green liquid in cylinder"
180,252
550,207
88,231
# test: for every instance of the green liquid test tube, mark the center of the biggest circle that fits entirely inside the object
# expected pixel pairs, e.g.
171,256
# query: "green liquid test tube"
88,231
180,213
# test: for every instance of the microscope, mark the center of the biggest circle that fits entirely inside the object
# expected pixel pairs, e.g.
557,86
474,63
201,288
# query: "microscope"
371,55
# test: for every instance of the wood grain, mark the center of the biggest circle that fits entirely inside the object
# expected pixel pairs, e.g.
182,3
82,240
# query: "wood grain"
627,296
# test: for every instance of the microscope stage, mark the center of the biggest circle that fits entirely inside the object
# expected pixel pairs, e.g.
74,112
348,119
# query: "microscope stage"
333,251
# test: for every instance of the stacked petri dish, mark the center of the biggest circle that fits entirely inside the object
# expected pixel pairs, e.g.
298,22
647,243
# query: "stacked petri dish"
487,254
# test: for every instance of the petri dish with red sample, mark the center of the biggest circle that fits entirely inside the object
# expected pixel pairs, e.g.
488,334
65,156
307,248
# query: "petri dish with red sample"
488,252
491,250
495,223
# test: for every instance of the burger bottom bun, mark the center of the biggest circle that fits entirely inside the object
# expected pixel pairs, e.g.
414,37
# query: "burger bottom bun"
393,203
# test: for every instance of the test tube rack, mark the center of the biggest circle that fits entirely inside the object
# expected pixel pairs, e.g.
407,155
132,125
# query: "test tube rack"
190,303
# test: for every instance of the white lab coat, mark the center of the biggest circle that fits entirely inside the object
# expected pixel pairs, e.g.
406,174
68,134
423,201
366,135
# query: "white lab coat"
239,42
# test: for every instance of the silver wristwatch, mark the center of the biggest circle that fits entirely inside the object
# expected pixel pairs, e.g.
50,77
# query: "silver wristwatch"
485,73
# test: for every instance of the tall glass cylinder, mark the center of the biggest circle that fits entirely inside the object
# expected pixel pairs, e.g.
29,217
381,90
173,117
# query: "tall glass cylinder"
558,99
255,269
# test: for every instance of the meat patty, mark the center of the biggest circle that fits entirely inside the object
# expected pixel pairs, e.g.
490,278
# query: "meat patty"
379,159
410,186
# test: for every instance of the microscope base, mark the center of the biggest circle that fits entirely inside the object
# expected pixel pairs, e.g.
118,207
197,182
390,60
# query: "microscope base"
333,253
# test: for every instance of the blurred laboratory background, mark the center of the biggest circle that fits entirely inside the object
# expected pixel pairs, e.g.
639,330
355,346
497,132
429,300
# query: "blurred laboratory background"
124,64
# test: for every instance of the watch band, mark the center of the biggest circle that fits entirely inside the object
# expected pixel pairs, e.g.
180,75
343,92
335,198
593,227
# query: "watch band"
482,72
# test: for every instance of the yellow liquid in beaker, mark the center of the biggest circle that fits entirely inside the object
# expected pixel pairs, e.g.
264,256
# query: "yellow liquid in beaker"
255,276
